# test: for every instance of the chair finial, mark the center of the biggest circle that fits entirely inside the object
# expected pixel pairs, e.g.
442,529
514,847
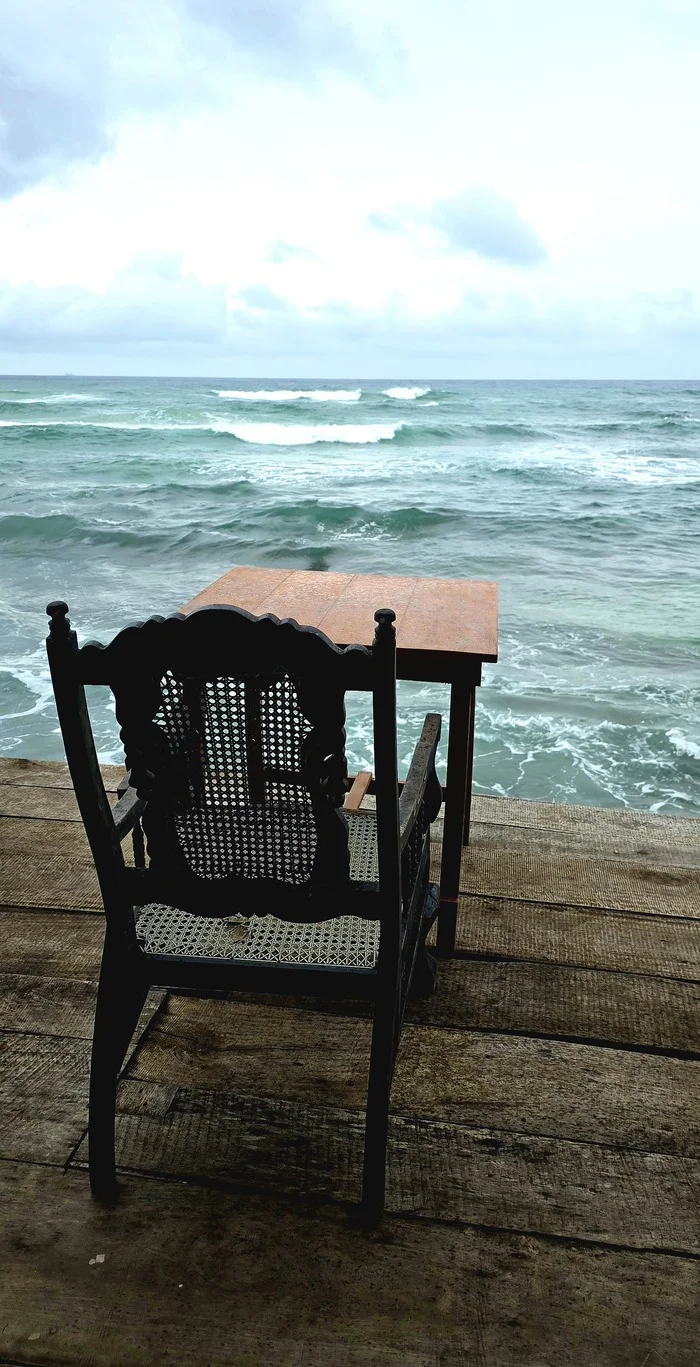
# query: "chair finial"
385,618
59,624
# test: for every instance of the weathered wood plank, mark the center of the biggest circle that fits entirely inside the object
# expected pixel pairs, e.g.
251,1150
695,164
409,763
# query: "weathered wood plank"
46,804
513,811
526,997
47,1006
50,944
22,837
44,1087
49,881
532,1086
52,773
58,1006
635,845
661,890
523,1183
588,937
579,1003
616,1009
194,1276
43,1096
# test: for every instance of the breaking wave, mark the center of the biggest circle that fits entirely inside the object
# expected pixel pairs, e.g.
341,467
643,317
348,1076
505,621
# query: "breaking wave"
291,395
683,745
407,391
279,434
51,398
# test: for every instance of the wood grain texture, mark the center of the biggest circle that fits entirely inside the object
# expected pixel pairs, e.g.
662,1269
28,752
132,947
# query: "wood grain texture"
517,811
604,1096
193,1276
43,803
436,1170
563,879
621,1009
47,1006
582,936
50,944
504,1120
616,1010
52,773
49,881
450,617
44,1082
22,837
43,1096
602,840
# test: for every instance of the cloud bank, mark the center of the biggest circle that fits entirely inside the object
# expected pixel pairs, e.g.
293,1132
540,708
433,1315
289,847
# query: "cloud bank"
321,187
155,317
70,72
476,219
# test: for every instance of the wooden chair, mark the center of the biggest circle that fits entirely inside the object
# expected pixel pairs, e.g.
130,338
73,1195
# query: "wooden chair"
234,739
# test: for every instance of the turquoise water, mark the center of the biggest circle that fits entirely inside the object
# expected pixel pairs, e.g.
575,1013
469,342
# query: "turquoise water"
582,500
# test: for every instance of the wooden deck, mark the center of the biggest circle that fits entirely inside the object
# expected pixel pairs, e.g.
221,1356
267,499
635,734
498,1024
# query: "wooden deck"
544,1172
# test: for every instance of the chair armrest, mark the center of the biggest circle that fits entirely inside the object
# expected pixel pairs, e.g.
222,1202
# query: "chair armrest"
127,810
421,781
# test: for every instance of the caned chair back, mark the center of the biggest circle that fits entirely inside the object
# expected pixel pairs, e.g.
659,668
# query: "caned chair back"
234,733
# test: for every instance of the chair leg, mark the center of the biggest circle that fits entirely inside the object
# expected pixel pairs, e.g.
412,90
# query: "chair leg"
424,976
381,1070
119,1004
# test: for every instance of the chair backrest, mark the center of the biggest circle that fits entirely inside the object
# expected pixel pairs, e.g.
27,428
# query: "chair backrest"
234,731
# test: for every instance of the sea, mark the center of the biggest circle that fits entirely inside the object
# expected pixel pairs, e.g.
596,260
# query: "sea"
582,500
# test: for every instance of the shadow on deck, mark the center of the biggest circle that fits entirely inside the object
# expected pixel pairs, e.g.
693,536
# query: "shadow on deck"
544,1174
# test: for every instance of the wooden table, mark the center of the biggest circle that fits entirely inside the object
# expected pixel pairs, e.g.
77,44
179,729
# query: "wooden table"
446,629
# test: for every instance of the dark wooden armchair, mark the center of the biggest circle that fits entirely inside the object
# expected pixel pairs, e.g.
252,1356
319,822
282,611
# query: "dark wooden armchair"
234,739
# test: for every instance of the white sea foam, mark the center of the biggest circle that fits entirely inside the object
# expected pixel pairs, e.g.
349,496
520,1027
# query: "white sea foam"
113,426
298,434
291,395
683,745
56,398
406,392
262,433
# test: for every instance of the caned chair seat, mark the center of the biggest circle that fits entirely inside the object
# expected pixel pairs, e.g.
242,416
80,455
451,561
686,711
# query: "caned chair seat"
344,942
341,942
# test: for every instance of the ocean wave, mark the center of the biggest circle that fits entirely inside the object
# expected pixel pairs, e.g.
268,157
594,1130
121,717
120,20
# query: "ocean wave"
259,433
407,391
683,745
298,434
52,398
27,531
45,423
291,395
343,520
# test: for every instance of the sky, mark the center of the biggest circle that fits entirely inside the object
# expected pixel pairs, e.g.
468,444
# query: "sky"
350,188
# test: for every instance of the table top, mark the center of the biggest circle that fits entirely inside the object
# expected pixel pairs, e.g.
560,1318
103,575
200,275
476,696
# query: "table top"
443,620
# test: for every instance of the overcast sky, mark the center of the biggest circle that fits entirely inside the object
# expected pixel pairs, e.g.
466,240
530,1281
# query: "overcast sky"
350,187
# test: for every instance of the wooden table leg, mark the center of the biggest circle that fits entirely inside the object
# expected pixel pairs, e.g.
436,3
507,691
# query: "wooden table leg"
458,767
471,717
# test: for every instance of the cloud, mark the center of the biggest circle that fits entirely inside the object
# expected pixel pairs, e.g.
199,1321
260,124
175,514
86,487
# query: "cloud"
280,253
478,220
474,220
150,300
392,222
69,73
294,37
156,318
262,299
